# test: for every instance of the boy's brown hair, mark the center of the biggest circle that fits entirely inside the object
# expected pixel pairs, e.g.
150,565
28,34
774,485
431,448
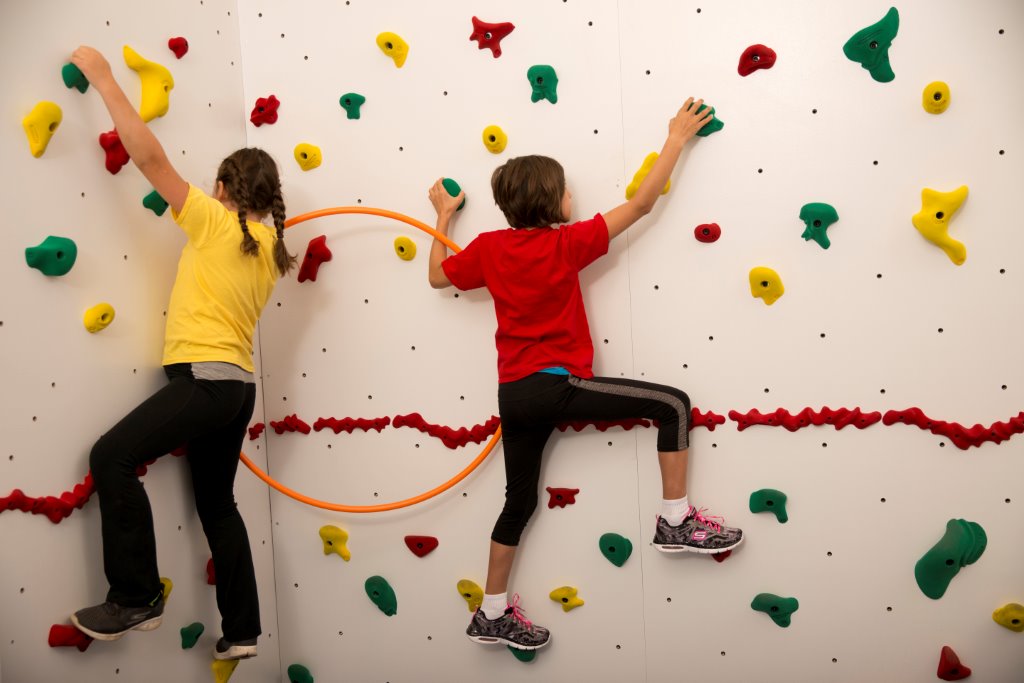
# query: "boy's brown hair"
529,191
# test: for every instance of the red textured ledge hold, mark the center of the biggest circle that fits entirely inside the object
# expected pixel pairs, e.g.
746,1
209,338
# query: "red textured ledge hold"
452,438
290,423
56,509
805,418
349,424
603,425
962,437
256,430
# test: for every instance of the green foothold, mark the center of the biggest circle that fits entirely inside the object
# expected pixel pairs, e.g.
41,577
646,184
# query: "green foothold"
778,608
351,102
961,545
544,82
53,256
615,548
523,655
382,594
770,500
74,78
817,218
869,46
454,190
299,674
190,635
155,203
712,126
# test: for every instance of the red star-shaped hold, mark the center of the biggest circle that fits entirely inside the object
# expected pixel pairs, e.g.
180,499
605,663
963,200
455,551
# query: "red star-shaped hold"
561,497
265,111
490,35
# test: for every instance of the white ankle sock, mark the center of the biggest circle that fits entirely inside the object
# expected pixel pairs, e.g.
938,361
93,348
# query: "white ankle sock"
673,511
494,606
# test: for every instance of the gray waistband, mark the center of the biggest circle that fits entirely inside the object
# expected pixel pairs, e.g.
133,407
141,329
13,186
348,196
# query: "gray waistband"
218,370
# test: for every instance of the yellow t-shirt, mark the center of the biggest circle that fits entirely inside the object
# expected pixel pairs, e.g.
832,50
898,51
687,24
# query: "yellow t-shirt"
219,292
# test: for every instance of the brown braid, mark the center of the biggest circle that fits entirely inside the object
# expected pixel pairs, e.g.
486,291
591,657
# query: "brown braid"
285,261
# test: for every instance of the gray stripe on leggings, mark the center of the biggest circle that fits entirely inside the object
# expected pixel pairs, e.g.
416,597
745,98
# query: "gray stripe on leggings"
683,438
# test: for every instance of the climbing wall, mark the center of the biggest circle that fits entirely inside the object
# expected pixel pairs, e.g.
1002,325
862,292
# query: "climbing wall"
64,387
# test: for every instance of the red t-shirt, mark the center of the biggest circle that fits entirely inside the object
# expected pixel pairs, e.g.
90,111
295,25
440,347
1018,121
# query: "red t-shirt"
533,276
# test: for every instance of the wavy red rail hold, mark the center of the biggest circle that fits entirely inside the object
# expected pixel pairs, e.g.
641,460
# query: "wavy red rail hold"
807,417
290,423
962,437
256,430
349,424
452,438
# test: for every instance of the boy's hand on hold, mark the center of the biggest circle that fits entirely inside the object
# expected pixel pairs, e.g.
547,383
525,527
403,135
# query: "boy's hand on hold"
92,64
444,203
685,124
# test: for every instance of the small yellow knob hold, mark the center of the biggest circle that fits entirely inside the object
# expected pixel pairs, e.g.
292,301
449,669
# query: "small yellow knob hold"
1010,615
308,156
98,317
495,139
932,221
166,585
639,176
471,593
766,284
222,669
393,46
40,125
935,98
566,595
157,84
334,541
405,248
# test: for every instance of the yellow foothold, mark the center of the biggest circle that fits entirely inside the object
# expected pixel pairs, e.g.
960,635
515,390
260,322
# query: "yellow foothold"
222,669
495,139
40,125
405,248
766,284
566,595
935,97
1010,615
308,156
157,84
334,541
394,47
471,593
167,586
639,176
98,317
932,221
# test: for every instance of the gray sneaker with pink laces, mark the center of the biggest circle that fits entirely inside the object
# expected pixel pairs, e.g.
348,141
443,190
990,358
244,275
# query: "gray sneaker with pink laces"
697,533
512,628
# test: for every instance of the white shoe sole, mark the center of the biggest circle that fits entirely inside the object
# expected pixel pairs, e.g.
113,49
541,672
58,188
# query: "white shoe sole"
147,625
236,652
701,551
488,640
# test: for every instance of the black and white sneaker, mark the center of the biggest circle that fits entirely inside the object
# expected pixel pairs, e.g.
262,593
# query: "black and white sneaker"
110,621
512,629
243,649
697,533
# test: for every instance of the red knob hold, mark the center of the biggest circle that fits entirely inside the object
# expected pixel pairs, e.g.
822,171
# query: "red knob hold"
707,232
316,253
179,46
756,57
117,155
421,545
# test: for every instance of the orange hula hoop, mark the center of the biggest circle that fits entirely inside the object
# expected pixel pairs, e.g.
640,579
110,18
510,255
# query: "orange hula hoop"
382,507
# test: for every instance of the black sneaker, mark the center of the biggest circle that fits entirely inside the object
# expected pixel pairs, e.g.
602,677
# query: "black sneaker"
243,649
696,534
110,621
512,629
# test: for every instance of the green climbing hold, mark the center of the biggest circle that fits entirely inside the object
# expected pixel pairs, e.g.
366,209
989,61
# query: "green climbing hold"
817,218
770,500
155,203
778,608
74,78
299,674
53,256
869,46
190,635
615,548
454,190
523,655
961,545
712,126
382,594
351,102
544,82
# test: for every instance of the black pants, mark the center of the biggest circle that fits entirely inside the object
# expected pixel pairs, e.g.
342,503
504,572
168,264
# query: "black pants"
531,407
210,417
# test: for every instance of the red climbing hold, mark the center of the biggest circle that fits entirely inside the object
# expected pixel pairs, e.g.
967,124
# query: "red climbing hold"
489,35
720,557
117,155
265,111
256,430
211,575
950,668
561,497
65,635
347,424
756,57
421,545
179,46
707,232
708,419
316,253
291,423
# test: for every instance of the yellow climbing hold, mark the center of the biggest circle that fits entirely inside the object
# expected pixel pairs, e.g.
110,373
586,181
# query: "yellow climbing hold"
495,139
157,84
1010,615
394,47
334,541
405,248
98,317
471,593
40,125
308,156
932,221
935,97
167,586
222,669
639,176
566,595
766,284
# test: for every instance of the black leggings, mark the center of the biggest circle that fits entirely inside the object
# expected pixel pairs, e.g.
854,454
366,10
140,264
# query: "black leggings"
531,407
210,418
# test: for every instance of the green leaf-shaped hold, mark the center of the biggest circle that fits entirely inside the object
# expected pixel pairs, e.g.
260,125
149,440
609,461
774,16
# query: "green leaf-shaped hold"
712,126
544,82
778,608
869,46
961,545
190,635
299,674
74,78
382,594
155,203
616,548
53,256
